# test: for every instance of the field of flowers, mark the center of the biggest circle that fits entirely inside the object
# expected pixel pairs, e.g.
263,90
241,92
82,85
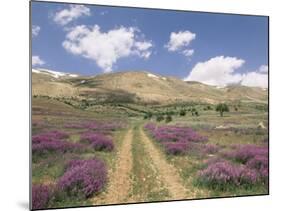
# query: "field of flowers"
219,168
77,157
70,164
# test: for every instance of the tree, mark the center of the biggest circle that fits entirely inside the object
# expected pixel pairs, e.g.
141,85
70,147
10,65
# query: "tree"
168,118
159,118
222,107
182,112
148,115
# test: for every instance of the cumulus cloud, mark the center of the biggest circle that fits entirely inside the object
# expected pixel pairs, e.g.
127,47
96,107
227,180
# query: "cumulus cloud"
65,16
105,48
179,41
255,79
221,71
188,52
35,30
263,69
216,71
37,61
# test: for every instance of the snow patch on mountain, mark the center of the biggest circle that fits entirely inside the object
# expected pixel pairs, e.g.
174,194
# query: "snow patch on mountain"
53,73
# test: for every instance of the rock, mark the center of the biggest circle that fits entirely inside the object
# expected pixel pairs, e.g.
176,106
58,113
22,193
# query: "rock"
261,125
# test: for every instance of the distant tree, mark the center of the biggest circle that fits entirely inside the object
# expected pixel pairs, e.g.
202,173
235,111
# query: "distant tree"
182,112
147,115
209,107
159,118
168,118
194,112
222,107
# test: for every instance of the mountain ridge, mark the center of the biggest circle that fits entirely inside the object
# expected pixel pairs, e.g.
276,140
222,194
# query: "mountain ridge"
139,86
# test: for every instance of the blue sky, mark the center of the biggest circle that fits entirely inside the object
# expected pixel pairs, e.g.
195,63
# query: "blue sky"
232,46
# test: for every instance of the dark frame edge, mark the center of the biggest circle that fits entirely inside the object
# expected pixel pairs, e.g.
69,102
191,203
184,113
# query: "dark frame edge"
30,105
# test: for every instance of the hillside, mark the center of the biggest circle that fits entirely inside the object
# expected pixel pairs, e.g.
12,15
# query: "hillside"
138,86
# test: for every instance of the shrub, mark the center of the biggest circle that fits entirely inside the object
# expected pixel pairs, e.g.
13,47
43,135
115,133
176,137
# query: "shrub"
159,118
244,153
102,127
150,127
51,142
83,178
148,115
98,141
178,148
168,119
182,112
259,163
49,136
175,139
41,195
175,133
219,175
209,107
210,148
103,145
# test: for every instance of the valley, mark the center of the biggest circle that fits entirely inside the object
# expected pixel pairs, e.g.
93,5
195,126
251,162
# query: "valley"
144,138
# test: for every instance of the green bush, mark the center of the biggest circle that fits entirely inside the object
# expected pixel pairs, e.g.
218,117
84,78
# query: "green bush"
159,118
168,119
182,112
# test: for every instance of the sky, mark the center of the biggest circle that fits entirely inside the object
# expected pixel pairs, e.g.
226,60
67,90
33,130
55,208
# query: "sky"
216,49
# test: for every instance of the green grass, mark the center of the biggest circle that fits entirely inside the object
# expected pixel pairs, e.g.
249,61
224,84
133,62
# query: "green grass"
146,184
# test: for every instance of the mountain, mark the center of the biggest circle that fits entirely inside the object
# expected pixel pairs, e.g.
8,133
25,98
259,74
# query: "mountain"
54,74
50,83
138,86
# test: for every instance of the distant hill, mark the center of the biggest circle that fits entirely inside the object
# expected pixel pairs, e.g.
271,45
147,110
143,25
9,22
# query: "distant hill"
138,86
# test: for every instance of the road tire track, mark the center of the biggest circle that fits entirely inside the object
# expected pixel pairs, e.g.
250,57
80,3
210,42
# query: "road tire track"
119,180
168,173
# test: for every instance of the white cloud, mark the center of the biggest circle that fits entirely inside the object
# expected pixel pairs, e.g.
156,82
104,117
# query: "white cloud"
188,52
216,71
263,69
220,71
103,12
35,30
179,41
65,16
105,48
37,61
255,79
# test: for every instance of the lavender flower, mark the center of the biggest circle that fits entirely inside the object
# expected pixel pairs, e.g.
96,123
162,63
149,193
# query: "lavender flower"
219,175
244,153
98,141
83,177
40,196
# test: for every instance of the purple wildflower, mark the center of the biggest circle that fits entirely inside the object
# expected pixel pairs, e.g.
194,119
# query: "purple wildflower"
176,148
244,153
98,141
40,196
223,173
83,177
